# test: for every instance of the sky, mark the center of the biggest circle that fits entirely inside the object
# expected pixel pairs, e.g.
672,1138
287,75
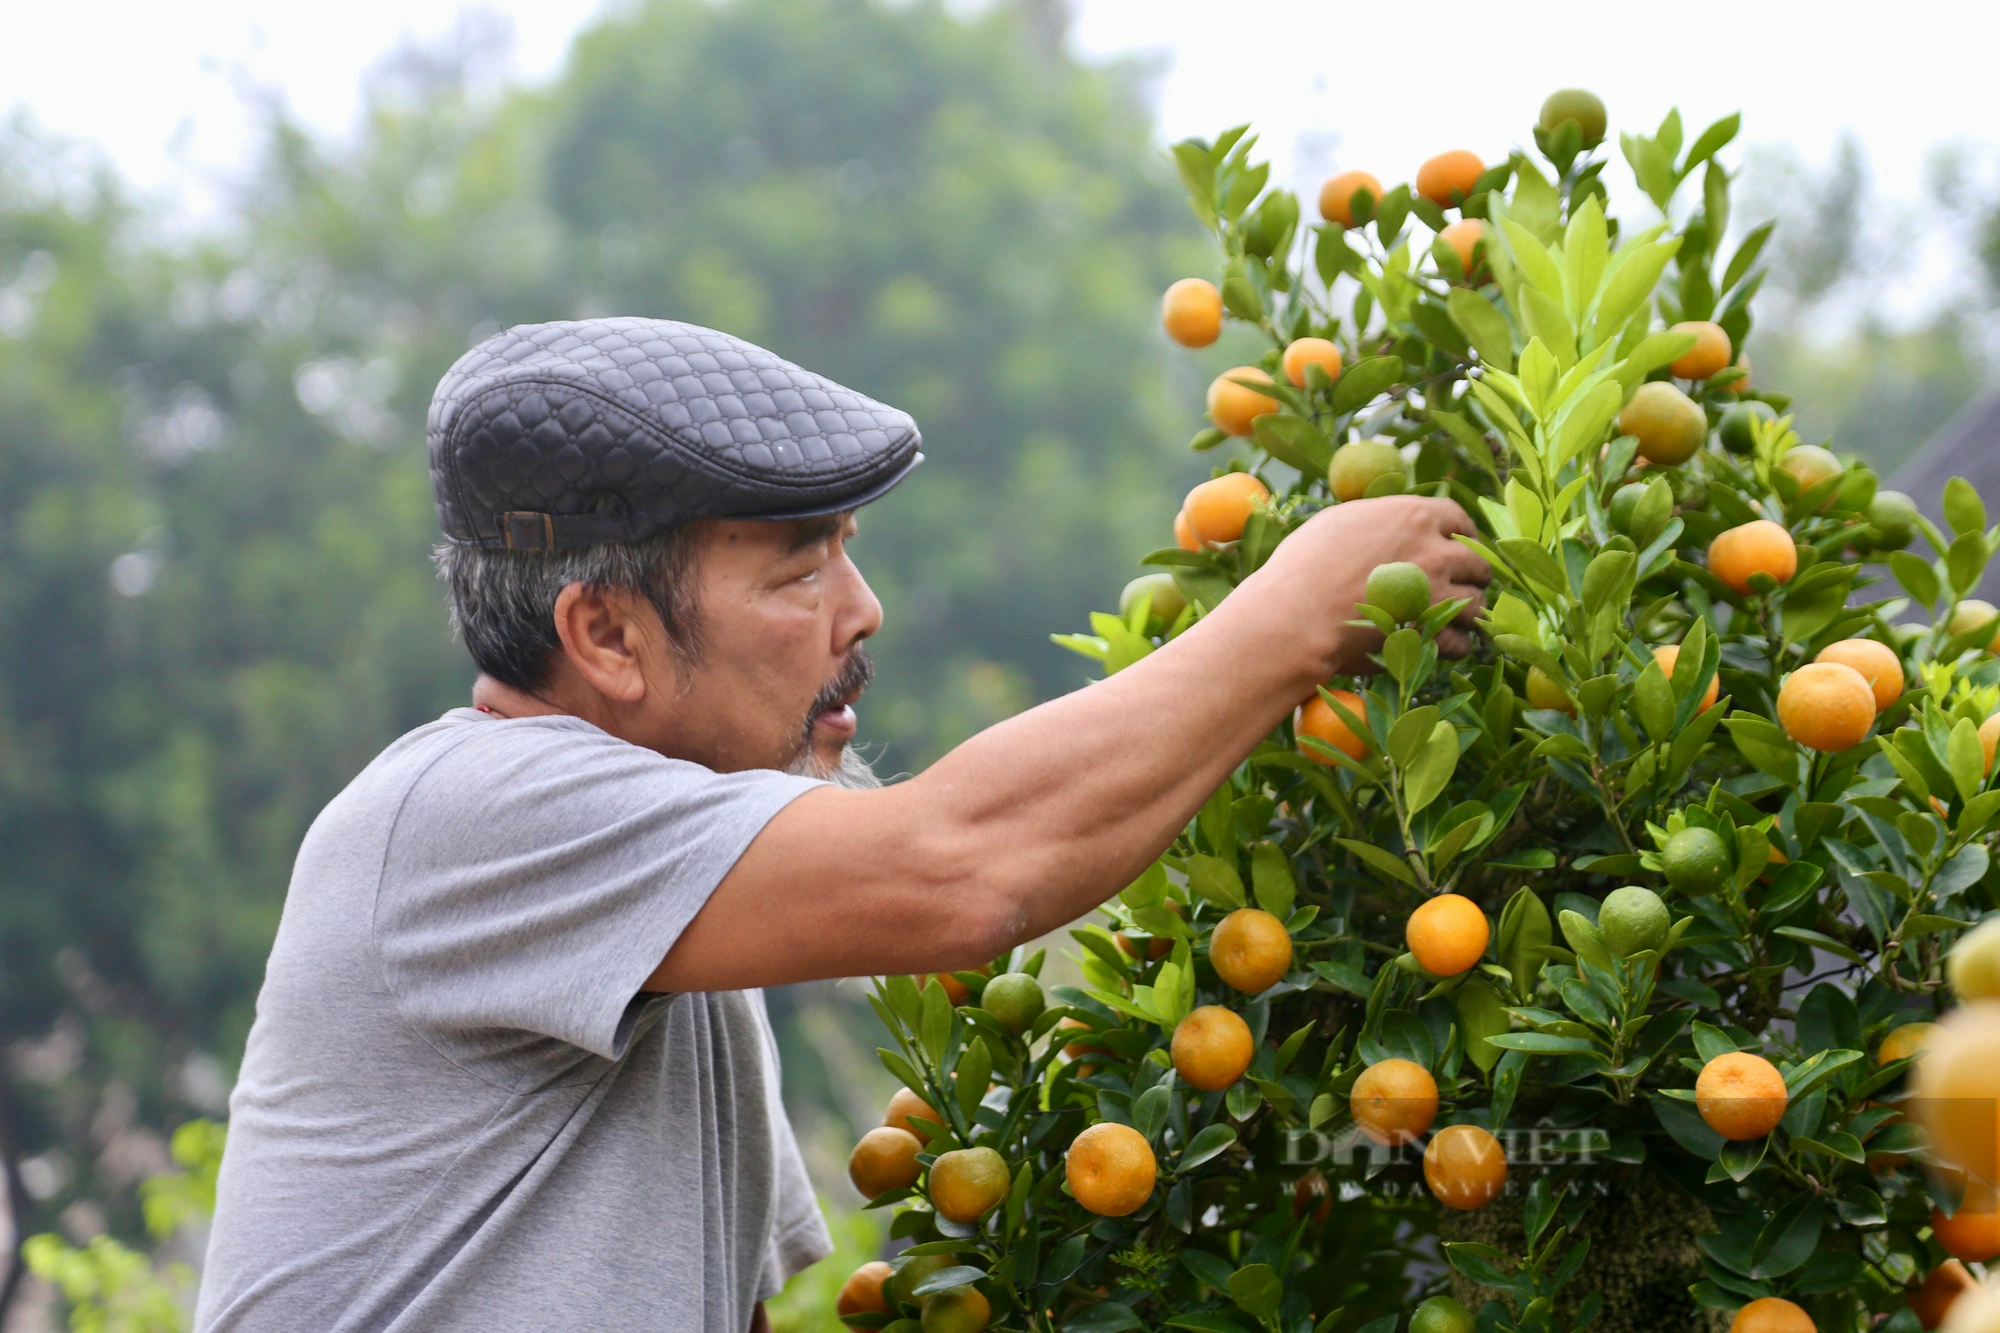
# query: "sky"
1329,85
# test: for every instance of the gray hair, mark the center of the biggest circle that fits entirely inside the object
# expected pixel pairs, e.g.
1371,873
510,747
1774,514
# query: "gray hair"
503,602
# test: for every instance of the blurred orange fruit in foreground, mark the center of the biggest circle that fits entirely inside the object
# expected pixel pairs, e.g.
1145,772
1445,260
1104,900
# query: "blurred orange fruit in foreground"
1464,237
1336,196
1939,1292
1448,178
1217,510
1303,352
1234,408
1709,354
1191,312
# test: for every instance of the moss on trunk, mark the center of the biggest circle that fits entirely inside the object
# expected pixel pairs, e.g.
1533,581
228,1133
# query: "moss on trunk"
1643,1255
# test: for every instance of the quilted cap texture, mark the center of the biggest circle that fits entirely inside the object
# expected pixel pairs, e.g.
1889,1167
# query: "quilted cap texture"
586,431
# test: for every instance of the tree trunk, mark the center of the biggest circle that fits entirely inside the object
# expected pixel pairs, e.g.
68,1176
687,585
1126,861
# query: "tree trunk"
1643,1255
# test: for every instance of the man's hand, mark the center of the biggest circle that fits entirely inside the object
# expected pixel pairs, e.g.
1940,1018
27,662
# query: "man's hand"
1033,822
1319,571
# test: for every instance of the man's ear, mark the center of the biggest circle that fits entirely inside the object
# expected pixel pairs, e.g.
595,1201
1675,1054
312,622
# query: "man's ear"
604,634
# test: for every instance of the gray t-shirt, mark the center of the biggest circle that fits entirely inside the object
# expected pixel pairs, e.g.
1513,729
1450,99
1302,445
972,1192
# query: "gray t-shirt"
456,1111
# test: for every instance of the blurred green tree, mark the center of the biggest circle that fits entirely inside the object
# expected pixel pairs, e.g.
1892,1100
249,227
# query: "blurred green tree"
1873,379
215,597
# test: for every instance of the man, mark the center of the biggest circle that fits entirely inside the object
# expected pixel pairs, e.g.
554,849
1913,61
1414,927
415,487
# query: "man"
510,1068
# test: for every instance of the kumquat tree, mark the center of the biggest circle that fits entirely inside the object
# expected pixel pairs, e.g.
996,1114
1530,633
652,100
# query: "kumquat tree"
1578,984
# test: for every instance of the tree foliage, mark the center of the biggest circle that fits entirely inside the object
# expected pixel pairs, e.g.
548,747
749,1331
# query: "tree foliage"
1804,897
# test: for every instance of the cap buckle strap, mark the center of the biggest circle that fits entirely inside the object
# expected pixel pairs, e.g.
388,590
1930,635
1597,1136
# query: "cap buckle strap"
528,531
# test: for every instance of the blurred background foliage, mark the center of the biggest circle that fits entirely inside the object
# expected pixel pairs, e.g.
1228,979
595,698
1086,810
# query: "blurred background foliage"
216,602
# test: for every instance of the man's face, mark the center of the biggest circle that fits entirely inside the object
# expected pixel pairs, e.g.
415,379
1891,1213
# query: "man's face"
783,613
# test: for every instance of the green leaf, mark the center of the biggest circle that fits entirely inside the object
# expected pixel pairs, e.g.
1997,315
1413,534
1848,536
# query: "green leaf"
1294,441
1918,577
934,1027
1584,937
1631,284
1525,930
975,1069
1211,1270
1410,733
1149,890
1589,420
1604,578
1812,1072
1482,1014
1746,255
1965,560
1216,880
1966,758
1104,1317
1963,509
1819,941
1765,745
1197,170
1256,1288
1536,564
1544,320
1206,1322
945,1279
1483,326
1380,861
1365,380
1586,245
1790,1237
1738,1159
1210,1142
1271,879
1711,140
1653,700
1241,299
1540,372
1532,258
1425,779
901,993
1542,1043
1833,1143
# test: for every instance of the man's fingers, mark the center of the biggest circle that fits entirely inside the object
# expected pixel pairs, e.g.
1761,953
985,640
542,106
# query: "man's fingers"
1454,642
1475,603
1452,518
1461,564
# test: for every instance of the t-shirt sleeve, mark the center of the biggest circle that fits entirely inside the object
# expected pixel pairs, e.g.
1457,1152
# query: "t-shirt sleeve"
539,871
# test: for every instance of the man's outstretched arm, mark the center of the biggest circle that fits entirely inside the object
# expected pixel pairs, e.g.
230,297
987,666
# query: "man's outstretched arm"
1035,821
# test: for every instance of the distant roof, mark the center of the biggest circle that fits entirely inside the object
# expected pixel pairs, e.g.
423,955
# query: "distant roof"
1966,446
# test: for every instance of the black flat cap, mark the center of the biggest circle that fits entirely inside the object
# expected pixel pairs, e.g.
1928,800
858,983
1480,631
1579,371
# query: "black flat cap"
600,430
